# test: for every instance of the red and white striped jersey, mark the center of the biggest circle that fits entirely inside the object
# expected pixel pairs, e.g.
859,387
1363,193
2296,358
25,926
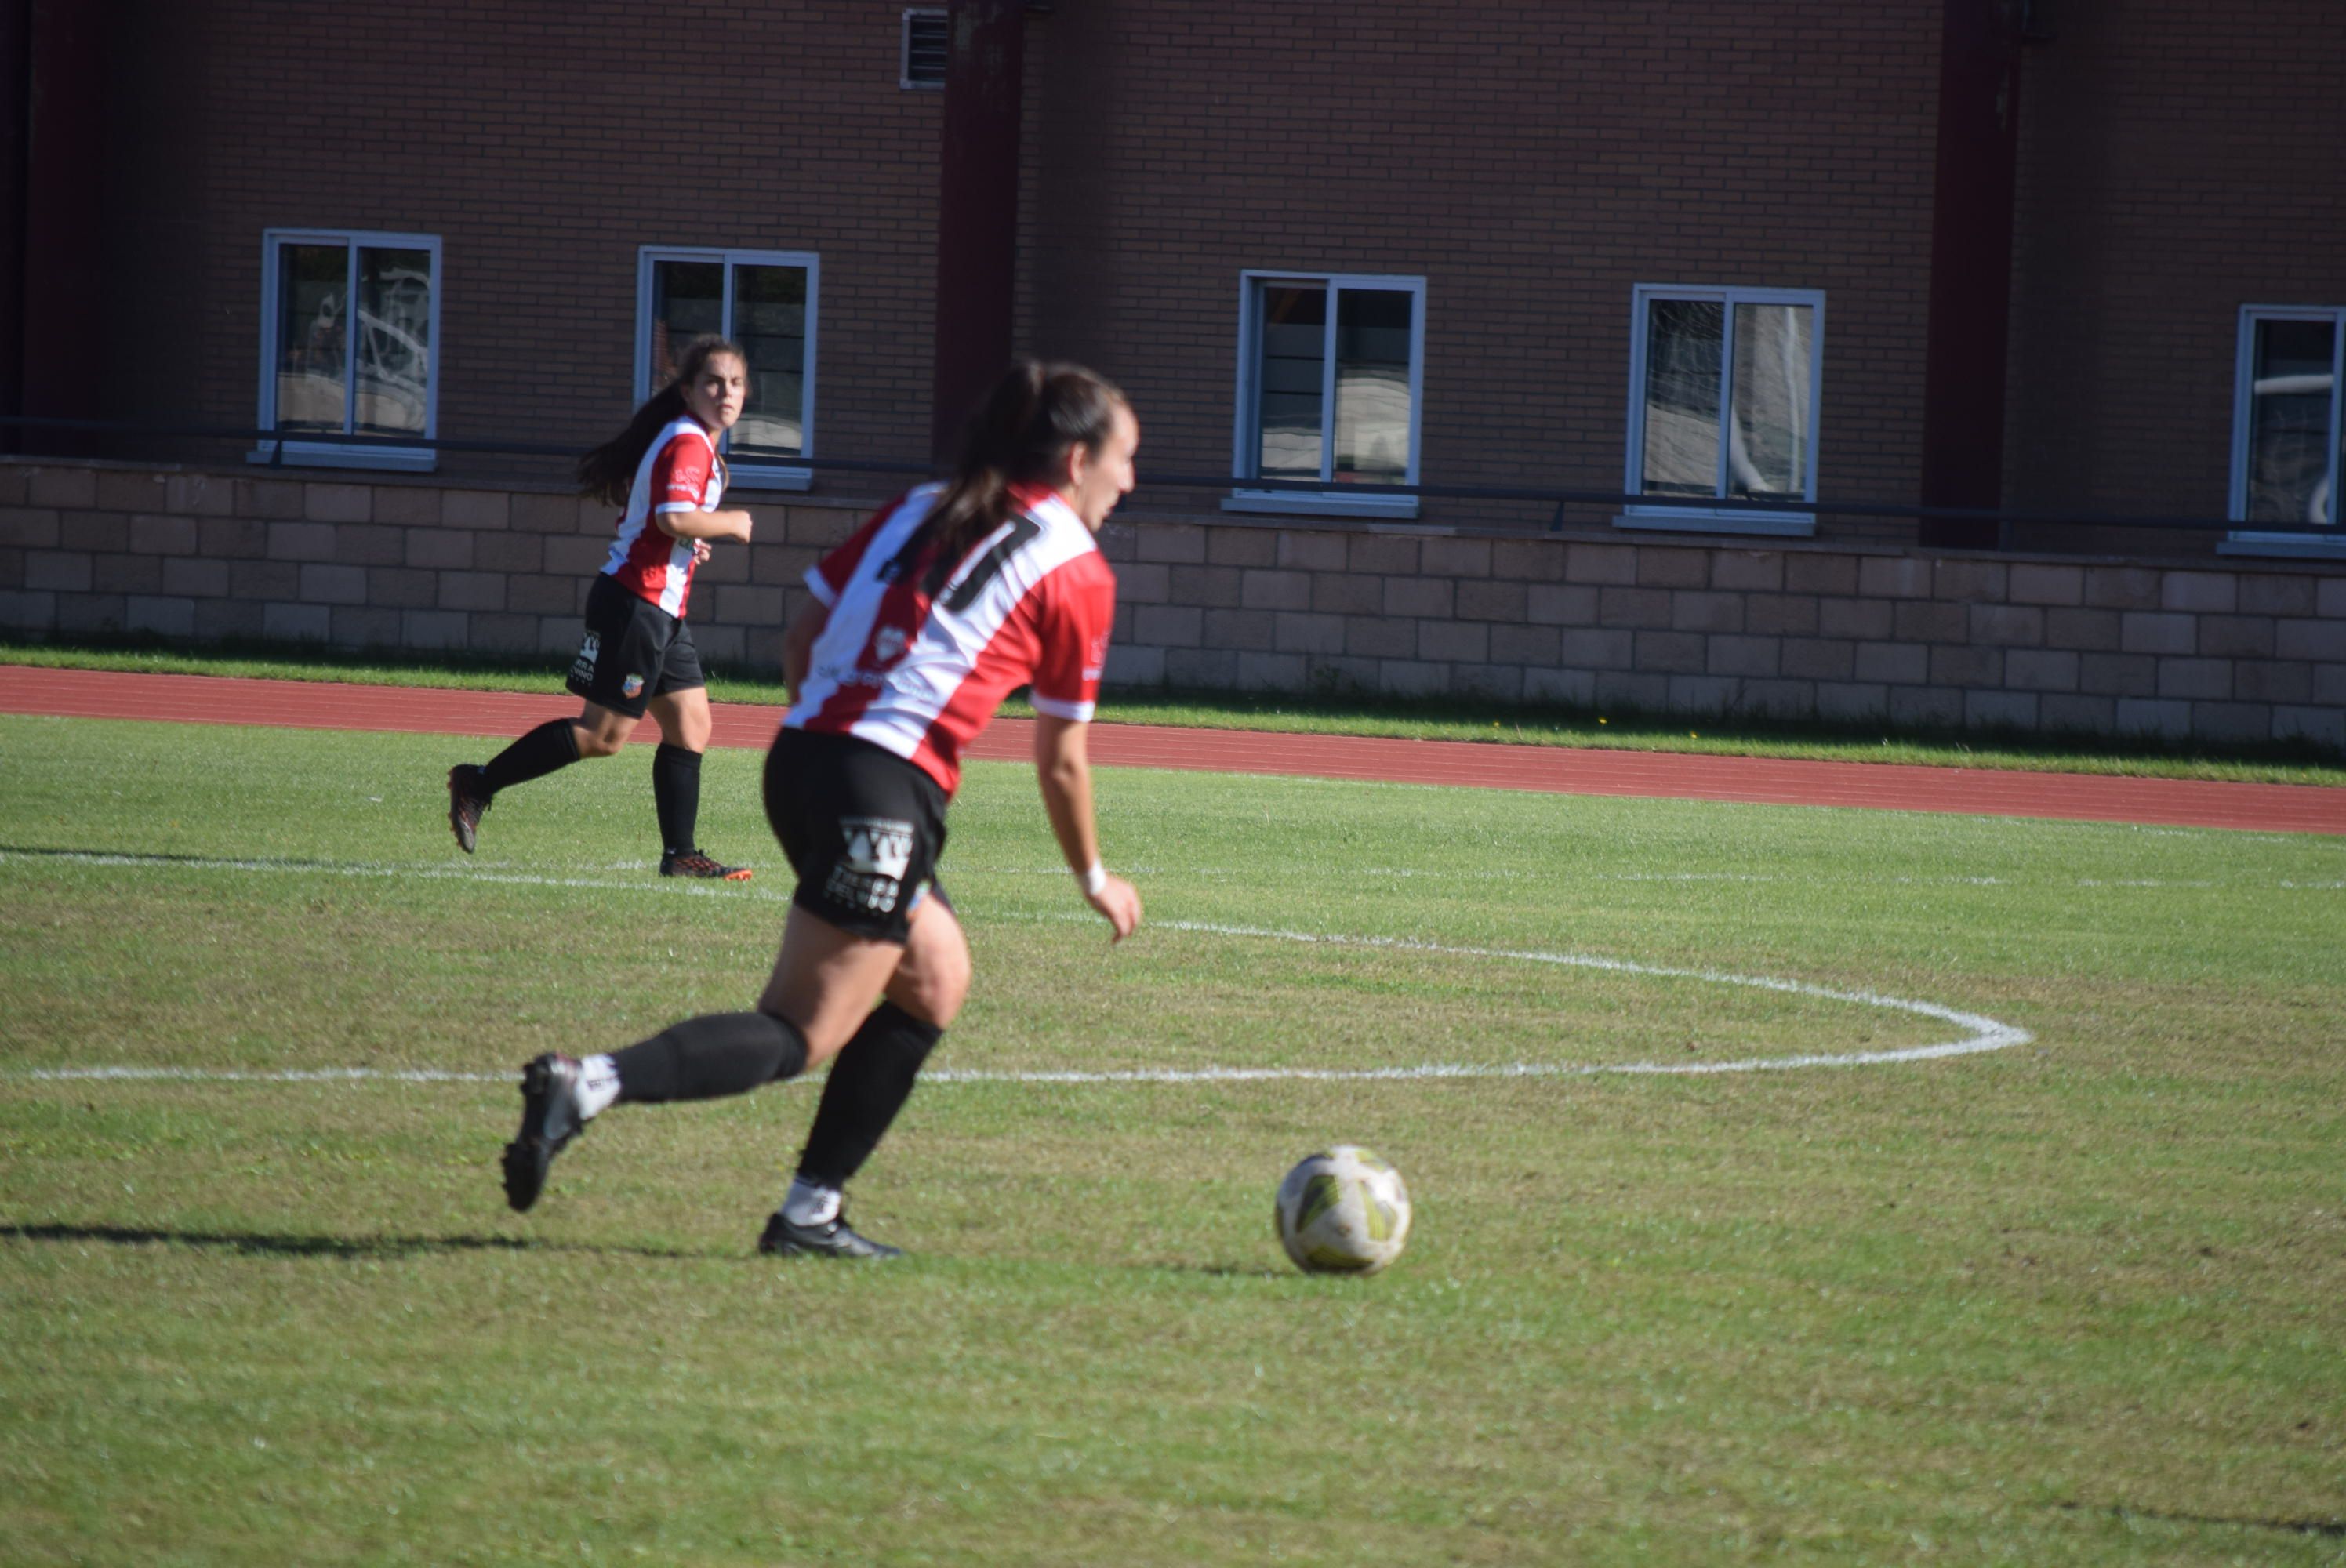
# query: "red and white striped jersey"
679,472
919,677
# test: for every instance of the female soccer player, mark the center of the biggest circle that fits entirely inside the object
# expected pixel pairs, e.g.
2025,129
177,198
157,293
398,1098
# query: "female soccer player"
921,624
638,654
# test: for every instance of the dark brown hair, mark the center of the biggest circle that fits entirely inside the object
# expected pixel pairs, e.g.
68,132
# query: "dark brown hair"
1019,433
608,472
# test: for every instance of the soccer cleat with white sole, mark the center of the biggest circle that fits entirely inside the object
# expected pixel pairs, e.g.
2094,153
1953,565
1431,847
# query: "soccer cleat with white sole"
550,1118
832,1238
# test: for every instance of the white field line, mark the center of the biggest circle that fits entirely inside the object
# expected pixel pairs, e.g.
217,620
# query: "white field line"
1983,1033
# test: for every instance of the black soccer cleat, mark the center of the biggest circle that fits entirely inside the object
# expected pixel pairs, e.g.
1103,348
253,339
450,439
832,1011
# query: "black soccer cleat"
466,801
832,1238
550,1120
694,864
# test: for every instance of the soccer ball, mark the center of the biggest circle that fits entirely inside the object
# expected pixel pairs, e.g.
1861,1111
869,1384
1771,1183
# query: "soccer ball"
1343,1211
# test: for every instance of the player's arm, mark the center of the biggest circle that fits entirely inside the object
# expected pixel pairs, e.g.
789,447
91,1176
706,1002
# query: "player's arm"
798,642
1064,769
688,522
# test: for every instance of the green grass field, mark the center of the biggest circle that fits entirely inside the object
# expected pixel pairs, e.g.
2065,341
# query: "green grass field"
2076,1301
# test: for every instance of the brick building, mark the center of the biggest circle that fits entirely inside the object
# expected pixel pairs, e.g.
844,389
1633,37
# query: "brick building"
2069,263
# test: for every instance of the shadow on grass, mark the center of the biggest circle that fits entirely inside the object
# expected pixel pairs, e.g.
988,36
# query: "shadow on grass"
1222,1270
2334,1529
161,857
257,1244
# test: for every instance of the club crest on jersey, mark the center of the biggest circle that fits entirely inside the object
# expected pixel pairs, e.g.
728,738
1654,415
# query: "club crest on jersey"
582,669
632,687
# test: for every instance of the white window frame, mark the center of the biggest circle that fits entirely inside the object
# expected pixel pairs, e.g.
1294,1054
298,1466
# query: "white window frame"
2247,540
1688,514
904,49
317,451
1363,501
752,473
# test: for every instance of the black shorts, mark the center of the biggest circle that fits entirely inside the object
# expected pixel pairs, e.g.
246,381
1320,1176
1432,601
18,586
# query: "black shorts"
634,651
863,828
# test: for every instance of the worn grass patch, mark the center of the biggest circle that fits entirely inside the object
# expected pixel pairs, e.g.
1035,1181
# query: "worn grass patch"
2072,1301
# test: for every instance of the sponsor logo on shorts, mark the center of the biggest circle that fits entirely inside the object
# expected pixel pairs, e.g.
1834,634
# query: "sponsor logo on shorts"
582,669
870,874
631,686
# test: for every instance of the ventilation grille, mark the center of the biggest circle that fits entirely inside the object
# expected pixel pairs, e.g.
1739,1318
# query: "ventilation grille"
927,42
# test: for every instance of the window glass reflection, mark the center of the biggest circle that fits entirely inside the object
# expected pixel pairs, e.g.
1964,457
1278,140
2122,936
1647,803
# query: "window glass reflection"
1768,414
1373,404
1685,339
311,337
1288,404
688,299
394,341
2291,470
769,323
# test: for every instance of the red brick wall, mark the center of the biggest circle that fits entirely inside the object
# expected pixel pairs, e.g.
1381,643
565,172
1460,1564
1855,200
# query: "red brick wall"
1533,163
2177,161
544,143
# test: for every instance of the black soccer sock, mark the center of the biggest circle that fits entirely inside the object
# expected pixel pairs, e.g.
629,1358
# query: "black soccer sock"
676,794
552,745
710,1058
868,1084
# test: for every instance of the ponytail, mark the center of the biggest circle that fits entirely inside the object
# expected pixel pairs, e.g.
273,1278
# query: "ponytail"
608,473
1019,433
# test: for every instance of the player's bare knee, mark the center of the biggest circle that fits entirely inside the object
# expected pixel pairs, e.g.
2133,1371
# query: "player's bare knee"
932,1004
934,989
933,980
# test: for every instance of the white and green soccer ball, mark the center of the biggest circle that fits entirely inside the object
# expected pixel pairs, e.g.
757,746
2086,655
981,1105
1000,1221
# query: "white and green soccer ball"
1343,1211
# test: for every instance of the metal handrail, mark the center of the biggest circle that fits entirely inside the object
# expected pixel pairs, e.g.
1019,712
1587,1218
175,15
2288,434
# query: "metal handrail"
1559,497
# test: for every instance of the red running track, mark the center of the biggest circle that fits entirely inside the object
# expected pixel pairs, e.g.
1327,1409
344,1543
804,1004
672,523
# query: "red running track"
2170,802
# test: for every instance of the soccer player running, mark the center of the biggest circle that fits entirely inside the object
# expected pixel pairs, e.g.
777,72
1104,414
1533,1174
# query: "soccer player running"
638,654
920,625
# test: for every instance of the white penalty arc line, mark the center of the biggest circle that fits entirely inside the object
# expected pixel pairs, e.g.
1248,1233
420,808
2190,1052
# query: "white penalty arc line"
1984,1034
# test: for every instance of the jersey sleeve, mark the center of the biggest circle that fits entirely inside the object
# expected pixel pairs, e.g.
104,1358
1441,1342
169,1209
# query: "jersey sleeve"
828,578
1076,607
680,475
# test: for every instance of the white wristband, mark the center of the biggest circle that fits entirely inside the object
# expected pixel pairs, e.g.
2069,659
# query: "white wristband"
1093,879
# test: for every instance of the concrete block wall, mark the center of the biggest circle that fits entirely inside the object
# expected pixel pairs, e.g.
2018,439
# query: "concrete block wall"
2224,652
207,556
2232,653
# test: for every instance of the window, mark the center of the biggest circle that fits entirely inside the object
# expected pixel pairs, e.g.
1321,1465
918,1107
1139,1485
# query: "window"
763,301
928,41
1331,372
2285,429
331,372
1723,390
